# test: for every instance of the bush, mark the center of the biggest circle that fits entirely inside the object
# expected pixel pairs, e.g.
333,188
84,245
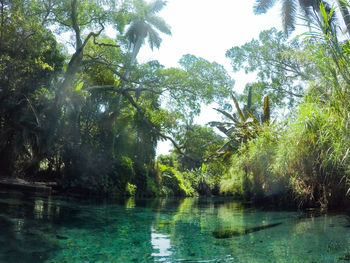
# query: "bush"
201,180
174,182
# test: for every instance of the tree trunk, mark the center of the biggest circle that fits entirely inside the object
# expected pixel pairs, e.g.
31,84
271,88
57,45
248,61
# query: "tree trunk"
134,54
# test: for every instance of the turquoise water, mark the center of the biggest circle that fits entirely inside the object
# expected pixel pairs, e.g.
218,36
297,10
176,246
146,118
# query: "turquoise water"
57,229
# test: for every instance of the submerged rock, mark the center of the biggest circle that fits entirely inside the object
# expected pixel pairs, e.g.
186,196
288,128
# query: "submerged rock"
345,257
227,233
61,237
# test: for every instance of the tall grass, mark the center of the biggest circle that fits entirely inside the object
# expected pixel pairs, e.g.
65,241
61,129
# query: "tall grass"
312,155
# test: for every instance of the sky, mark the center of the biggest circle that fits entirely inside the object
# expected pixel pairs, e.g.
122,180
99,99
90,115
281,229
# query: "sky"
207,28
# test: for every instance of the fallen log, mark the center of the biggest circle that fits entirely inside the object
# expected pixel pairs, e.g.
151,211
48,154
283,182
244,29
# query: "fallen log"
227,233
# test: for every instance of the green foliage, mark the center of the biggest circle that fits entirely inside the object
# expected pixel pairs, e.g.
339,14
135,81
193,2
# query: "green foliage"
197,81
174,182
201,180
30,59
309,158
168,160
242,128
282,67
250,174
197,143
104,140
130,189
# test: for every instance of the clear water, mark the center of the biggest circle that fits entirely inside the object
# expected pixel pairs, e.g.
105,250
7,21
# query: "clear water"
57,229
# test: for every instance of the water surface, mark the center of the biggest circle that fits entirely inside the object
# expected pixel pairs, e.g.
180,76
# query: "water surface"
59,229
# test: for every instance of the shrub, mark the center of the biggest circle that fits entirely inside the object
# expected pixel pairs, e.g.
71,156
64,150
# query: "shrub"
201,180
174,182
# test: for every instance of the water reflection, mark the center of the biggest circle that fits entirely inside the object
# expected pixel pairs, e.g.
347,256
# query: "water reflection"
161,246
56,229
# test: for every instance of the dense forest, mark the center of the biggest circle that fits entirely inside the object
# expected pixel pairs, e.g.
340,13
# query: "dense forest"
77,108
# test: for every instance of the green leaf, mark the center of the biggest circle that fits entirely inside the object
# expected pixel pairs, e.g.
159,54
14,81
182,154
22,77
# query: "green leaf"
204,168
240,113
79,86
251,115
228,115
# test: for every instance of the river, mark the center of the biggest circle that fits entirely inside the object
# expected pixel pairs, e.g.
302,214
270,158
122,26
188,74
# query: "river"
62,229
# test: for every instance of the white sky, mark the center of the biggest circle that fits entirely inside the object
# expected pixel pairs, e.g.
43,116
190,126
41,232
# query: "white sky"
207,28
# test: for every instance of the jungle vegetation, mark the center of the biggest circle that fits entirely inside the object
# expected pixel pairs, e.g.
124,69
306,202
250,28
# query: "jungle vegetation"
80,110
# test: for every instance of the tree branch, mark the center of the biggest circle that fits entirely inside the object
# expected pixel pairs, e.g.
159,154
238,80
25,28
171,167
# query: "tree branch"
104,44
121,90
75,25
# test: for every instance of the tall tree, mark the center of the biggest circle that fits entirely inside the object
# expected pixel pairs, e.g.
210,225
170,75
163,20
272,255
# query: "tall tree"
146,24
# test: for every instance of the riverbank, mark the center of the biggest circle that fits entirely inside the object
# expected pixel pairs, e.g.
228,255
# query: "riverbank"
23,185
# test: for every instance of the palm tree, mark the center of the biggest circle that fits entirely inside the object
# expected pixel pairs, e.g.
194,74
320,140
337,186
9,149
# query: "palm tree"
289,10
145,24
243,125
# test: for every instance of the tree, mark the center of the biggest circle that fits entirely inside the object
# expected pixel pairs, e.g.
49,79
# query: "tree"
182,89
30,60
102,140
145,24
283,67
80,17
198,142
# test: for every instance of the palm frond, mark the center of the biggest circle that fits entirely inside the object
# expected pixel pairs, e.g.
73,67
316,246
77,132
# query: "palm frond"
219,123
228,115
131,33
261,6
251,115
160,24
229,145
154,39
240,113
156,6
306,6
139,5
289,8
